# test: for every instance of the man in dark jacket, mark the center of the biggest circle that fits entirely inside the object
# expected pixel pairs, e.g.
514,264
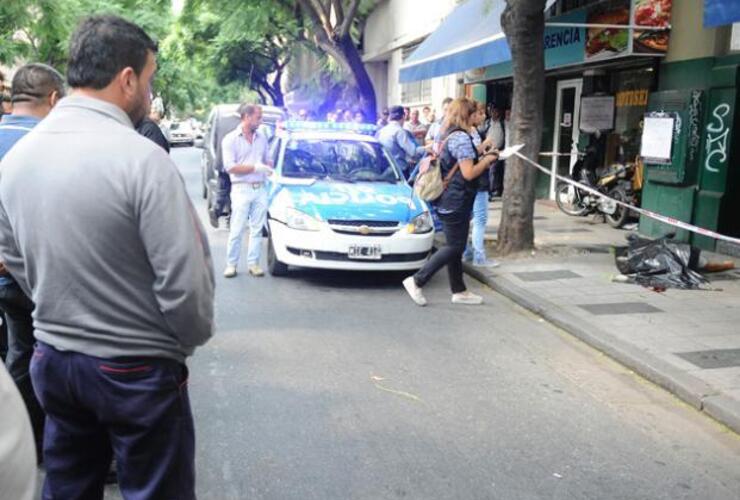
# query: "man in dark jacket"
36,89
149,128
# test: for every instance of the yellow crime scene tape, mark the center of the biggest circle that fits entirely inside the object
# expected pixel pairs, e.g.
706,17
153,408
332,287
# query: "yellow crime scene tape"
514,151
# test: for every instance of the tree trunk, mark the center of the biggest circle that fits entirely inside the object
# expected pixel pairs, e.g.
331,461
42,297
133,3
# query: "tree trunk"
524,24
353,62
277,90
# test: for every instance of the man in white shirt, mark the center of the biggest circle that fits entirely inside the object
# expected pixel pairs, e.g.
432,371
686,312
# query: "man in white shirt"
496,129
435,129
245,159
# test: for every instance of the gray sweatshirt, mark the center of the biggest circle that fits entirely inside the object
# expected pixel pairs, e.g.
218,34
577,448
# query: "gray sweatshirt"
96,226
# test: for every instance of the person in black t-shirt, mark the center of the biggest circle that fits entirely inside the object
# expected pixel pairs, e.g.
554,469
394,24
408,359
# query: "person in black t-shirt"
149,128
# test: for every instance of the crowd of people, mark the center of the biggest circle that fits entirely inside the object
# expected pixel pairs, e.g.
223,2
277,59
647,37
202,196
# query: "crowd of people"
465,159
408,139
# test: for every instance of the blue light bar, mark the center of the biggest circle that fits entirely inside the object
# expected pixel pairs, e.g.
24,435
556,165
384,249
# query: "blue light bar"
362,128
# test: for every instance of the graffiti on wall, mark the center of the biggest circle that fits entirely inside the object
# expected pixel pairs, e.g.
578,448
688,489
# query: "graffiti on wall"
716,139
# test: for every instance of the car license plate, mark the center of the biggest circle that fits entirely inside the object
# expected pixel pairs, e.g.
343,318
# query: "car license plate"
361,252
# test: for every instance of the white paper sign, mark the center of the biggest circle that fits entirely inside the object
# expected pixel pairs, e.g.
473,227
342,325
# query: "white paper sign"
505,153
597,113
735,40
657,138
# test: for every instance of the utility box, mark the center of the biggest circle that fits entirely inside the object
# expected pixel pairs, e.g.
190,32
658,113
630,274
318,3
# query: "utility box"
671,183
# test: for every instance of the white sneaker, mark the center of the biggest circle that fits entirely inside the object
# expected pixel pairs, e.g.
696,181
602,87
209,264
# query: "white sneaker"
414,291
256,271
467,297
230,272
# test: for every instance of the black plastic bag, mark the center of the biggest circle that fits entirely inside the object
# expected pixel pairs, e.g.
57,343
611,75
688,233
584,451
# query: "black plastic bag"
661,263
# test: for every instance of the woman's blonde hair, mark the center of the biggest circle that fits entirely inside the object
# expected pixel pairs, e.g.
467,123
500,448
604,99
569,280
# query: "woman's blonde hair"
459,115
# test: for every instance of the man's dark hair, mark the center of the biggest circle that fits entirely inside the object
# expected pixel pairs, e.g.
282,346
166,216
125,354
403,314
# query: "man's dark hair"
396,112
247,110
447,100
35,82
102,46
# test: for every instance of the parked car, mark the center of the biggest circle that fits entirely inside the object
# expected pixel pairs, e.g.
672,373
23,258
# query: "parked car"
223,119
179,133
338,201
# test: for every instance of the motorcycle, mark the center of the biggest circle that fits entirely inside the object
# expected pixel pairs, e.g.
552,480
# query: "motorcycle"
617,183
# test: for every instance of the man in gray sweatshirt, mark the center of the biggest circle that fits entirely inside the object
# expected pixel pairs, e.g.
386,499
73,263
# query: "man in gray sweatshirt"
97,228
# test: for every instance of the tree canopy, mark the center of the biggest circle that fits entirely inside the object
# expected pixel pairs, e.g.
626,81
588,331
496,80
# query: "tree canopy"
214,50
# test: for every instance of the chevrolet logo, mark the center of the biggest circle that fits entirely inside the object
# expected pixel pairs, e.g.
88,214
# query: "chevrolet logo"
364,230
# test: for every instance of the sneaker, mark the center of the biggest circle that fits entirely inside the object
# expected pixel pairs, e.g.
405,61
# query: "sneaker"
230,272
467,297
213,219
256,271
486,263
414,291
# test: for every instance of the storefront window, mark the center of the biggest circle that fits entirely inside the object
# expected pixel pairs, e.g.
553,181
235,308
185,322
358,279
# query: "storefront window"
631,91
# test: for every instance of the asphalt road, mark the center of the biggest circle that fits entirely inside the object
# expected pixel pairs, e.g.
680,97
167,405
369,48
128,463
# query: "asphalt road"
329,385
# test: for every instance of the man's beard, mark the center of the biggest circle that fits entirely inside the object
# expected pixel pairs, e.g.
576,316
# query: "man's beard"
139,111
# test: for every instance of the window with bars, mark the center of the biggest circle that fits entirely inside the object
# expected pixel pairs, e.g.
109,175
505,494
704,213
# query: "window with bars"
415,92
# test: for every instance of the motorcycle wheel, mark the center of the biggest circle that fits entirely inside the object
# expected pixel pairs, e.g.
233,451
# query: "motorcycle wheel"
619,217
568,201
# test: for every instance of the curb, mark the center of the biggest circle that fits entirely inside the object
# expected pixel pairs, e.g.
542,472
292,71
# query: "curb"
688,388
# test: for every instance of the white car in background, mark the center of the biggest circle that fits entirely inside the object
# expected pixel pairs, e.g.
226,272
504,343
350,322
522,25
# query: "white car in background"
179,133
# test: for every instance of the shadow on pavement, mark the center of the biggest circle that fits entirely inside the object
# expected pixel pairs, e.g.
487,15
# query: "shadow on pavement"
351,280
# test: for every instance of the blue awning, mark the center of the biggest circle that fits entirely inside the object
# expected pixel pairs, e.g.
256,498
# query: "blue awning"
470,37
721,12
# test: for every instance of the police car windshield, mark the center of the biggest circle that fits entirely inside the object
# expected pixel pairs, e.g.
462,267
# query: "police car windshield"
338,160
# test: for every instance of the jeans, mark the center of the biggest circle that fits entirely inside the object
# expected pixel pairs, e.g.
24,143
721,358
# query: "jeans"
248,207
134,409
476,251
17,308
456,227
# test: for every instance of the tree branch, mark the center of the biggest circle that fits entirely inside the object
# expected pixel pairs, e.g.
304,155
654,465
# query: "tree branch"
338,12
347,23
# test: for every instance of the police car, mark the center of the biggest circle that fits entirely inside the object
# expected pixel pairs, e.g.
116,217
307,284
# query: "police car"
338,201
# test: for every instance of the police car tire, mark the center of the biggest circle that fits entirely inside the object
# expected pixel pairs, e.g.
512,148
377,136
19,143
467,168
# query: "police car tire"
274,266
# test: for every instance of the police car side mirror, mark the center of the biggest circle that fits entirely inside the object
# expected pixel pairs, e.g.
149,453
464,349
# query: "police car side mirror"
199,143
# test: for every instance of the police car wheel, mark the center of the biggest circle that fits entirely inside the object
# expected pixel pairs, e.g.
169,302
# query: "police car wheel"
274,266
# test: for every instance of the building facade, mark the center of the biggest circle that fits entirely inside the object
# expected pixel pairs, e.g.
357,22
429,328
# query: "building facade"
648,82
393,31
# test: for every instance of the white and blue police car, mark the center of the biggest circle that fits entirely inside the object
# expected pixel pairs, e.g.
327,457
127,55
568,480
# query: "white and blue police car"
338,201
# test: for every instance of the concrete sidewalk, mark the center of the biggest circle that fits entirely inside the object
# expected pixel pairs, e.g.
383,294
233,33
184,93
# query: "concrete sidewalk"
685,341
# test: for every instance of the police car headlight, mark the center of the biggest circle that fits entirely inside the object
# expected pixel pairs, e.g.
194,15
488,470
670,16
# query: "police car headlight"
421,224
295,219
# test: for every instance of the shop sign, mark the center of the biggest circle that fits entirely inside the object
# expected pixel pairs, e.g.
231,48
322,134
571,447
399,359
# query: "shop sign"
628,98
572,45
655,13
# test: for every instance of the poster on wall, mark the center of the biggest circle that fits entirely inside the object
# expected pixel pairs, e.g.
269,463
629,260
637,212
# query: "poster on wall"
655,13
605,41
597,113
657,138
